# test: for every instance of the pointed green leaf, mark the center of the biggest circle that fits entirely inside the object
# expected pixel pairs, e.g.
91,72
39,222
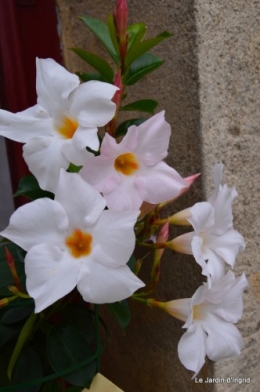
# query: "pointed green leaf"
131,262
28,368
121,312
100,29
7,333
13,315
112,32
141,67
66,347
22,339
96,62
140,48
143,105
52,386
30,188
123,127
135,33
86,77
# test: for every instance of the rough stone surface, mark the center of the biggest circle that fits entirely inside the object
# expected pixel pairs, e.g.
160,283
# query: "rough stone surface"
228,39
209,87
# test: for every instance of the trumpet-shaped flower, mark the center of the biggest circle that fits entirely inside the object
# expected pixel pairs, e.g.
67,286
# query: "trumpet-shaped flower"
214,242
72,241
209,318
64,122
132,171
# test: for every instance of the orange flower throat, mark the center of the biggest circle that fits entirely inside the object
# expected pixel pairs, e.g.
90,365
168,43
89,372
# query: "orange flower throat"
79,243
68,127
126,163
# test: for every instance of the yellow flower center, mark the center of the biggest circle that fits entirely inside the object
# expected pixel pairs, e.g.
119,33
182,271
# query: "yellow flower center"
198,312
126,163
79,243
68,127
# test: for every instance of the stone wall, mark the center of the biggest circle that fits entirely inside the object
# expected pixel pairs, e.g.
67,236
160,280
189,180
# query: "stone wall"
209,87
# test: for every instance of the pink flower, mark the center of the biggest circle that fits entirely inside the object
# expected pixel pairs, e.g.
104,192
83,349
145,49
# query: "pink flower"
132,171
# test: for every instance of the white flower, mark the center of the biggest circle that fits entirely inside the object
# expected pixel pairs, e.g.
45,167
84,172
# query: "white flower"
64,121
214,242
72,241
210,316
132,171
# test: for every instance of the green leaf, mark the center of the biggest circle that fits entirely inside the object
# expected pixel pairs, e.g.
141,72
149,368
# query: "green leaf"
100,29
139,48
135,32
121,312
141,67
28,368
7,333
51,386
86,77
22,339
96,62
66,347
82,319
30,188
13,315
123,127
143,105
73,168
131,262
112,32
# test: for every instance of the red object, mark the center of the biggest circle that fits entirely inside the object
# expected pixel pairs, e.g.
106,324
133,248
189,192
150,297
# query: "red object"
28,29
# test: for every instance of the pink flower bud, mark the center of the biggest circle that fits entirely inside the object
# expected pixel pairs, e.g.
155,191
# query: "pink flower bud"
120,19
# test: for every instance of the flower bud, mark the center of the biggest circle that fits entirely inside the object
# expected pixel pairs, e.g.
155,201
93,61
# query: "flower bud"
120,19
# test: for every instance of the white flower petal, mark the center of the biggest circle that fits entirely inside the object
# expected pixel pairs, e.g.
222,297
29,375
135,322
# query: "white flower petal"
202,216
196,246
75,149
231,308
224,340
54,85
114,235
50,274
98,171
79,199
110,148
44,158
23,126
216,266
153,137
41,221
223,211
227,246
100,284
122,196
191,348
159,183
86,137
91,103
